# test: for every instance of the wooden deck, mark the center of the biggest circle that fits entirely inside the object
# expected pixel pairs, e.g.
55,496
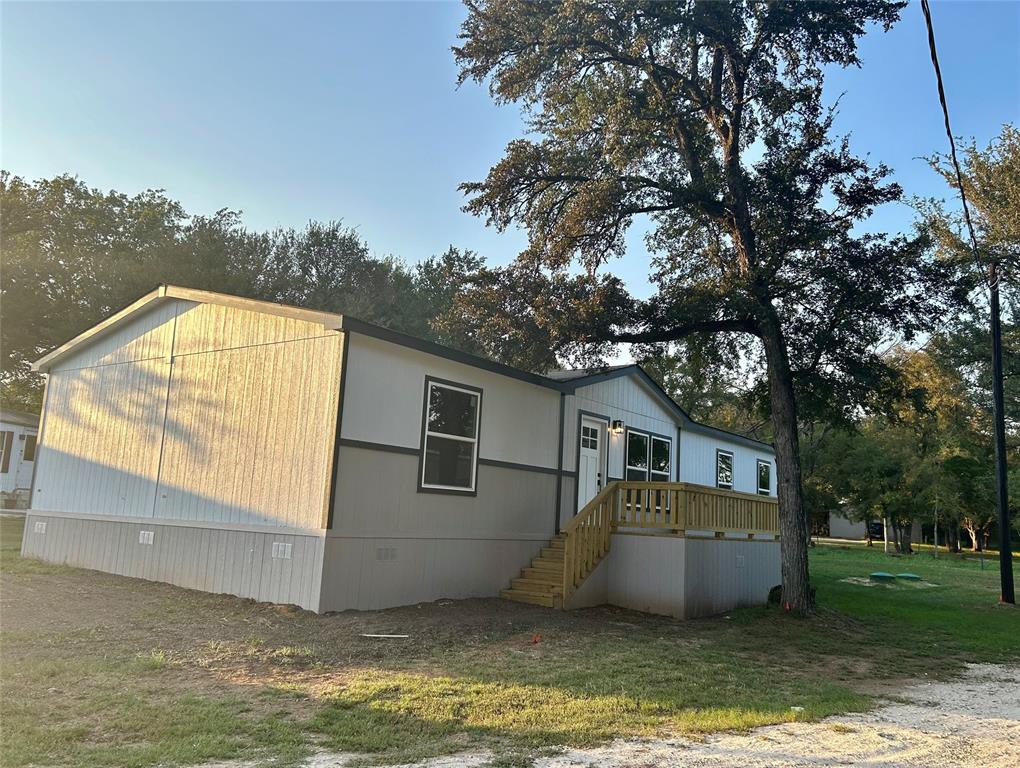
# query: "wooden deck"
664,508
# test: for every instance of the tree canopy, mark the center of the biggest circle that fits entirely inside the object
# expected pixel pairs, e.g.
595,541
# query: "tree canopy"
73,255
706,122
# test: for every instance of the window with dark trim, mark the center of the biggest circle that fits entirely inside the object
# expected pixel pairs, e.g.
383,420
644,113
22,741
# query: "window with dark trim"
449,459
648,457
29,453
637,456
659,464
764,477
724,469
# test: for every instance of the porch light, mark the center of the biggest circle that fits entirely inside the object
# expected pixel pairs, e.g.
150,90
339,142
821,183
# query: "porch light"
617,426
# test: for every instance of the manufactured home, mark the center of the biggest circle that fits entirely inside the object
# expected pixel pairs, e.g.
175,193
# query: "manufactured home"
17,457
294,456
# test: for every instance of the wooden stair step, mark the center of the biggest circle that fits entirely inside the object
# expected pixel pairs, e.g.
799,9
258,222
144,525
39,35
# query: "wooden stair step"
547,599
552,553
548,564
524,584
543,574
556,543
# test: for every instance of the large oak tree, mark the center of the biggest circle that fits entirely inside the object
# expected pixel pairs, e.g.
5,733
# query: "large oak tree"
705,120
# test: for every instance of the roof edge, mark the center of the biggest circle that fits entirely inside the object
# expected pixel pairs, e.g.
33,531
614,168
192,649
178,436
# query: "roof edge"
329,321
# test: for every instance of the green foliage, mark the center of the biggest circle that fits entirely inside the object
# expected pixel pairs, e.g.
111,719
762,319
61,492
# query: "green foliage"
645,113
73,255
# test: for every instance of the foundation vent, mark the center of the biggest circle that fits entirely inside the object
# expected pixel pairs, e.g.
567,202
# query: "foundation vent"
281,550
40,526
146,537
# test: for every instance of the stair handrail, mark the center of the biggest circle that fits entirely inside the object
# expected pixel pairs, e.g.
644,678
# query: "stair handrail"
586,538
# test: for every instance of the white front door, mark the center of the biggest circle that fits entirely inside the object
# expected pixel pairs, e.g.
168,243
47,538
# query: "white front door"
589,460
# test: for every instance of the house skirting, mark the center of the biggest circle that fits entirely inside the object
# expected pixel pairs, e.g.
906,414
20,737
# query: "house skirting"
682,576
373,573
264,565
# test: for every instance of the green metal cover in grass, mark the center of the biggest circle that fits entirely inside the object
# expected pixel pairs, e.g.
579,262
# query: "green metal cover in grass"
908,576
882,576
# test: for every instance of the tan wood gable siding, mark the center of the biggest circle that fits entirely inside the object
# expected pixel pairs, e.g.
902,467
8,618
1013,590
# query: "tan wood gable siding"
238,428
249,437
149,336
101,439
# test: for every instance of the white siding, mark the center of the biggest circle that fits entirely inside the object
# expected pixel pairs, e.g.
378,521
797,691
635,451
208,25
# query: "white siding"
386,384
697,461
625,398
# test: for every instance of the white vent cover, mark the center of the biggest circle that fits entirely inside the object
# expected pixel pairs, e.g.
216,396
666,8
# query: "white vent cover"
40,526
281,550
145,537
740,561
386,553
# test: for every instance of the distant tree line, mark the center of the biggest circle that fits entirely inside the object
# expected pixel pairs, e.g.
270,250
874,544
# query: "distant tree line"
72,255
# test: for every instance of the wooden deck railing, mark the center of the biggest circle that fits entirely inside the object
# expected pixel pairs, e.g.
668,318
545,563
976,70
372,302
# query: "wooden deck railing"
586,538
667,507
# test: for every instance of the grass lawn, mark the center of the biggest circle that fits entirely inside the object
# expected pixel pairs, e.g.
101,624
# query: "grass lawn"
99,670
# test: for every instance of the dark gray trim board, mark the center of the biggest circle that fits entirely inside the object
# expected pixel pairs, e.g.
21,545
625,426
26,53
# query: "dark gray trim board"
559,465
482,461
333,479
431,348
385,447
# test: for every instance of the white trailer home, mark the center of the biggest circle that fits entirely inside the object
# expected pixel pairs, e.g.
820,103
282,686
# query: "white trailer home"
294,456
17,457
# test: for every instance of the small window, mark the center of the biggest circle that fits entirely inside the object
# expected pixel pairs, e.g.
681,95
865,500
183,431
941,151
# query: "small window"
660,460
637,456
450,437
590,438
29,452
724,469
764,478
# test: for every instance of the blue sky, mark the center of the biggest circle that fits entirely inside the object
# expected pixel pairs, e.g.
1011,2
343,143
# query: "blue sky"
293,112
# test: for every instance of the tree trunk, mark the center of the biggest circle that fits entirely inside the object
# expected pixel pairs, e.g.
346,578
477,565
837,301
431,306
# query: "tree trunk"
793,524
906,533
952,537
975,539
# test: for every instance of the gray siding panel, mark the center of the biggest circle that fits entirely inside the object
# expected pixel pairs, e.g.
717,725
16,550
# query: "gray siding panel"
722,574
184,555
377,495
370,573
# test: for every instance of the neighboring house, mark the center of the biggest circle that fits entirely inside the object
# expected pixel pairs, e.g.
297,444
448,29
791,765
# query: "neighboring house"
17,457
841,527
294,456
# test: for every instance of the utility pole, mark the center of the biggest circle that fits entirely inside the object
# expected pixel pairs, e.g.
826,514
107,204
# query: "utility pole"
999,428
1006,594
